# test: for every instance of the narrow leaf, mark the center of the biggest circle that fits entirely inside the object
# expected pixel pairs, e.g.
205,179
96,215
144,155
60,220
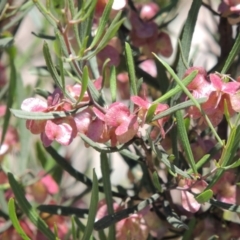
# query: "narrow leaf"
178,88
50,65
92,209
102,24
11,92
156,182
14,219
113,83
84,83
183,137
188,31
107,190
28,209
231,56
204,196
179,106
131,69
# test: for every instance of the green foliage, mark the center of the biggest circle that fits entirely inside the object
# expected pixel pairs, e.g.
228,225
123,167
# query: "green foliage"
178,148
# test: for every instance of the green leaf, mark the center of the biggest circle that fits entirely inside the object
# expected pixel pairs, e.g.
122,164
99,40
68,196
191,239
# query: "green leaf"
14,219
39,115
156,182
45,13
233,165
102,24
73,229
113,83
131,69
98,147
11,92
179,106
6,42
61,67
178,88
111,32
28,209
63,210
162,77
51,67
204,196
84,83
92,209
231,56
188,31
183,137
228,153
150,112
191,226
107,190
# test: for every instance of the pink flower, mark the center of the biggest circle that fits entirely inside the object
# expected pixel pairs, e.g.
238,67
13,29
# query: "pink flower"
133,227
149,10
232,5
217,91
142,112
124,124
189,202
199,86
62,130
145,34
149,66
221,93
225,189
41,189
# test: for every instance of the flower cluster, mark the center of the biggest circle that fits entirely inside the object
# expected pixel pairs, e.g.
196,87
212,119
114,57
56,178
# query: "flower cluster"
145,33
115,123
222,96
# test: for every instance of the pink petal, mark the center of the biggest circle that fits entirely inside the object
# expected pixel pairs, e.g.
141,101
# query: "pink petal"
189,203
45,140
216,81
50,184
235,101
231,87
161,108
116,114
164,45
36,126
149,66
95,129
127,130
98,113
111,53
34,105
140,102
83,120
198,80
63,132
